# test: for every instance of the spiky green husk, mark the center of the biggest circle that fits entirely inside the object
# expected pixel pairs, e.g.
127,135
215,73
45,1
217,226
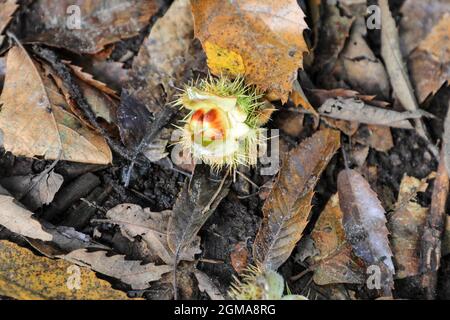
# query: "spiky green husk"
248,102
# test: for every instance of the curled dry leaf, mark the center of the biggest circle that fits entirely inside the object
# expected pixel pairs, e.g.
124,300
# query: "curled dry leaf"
26,276
152,228
131,272
286,210
35,121
406,226
358,111
365,225
101,23
196,202
261,39
335,262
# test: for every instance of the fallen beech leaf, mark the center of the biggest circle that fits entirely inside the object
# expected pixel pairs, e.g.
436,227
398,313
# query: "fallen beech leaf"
26,276
163,56
430,62
406,226
365,225
152,228
131,272
286,210
34,190
34,119
102,23
261,39
196,202
356,110
335,262
7,9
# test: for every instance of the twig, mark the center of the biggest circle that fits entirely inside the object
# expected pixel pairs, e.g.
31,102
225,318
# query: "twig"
430,251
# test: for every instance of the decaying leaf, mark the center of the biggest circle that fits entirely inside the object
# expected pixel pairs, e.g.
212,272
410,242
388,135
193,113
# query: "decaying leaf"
335,262
429,63
239,257
359,67
26,276
162,58
261,39
100,23
286,210
152,228
7,9
418,19
196,202
35,121
19,220
365,225
406,226
34,190
356,110
131,272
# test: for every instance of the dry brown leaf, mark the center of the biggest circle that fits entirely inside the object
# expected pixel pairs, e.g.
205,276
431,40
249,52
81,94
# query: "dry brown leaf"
286,210
152,228
418,18
261,39
34,190
359,67
7,9
35,121
406,226
365,225
88,78
196,202
26,276
131,272
356,110
335,262
429,63
102,23
163,56
19,220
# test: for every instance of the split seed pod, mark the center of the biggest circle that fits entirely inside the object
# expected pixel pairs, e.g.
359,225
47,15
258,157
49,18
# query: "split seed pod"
223,125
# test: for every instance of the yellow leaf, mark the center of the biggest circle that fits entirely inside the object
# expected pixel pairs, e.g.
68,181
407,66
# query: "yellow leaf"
266,34
223,61
26,276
